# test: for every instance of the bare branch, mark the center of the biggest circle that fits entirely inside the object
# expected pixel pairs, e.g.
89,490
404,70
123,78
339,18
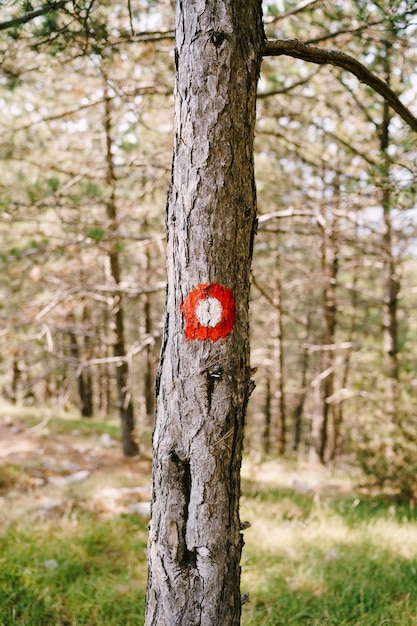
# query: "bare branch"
304,4
354,30
291,212
282,90
30,15
312,54
262,291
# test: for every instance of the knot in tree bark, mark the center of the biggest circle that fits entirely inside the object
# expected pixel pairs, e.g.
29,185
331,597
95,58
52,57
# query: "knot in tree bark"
217,38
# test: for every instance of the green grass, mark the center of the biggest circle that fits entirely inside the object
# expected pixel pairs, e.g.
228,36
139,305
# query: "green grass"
344,562
310,559
304,563
83,571
62,422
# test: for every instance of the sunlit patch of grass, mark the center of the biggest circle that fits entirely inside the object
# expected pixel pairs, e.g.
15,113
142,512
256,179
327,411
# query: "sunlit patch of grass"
59,422
334,563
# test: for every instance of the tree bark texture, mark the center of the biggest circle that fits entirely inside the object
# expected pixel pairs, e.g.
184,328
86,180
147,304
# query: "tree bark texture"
203,383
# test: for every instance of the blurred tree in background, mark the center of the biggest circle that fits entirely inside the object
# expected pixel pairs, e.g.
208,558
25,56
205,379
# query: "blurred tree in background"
86,142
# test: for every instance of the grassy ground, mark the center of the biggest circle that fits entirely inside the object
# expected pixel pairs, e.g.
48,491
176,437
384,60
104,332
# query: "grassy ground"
317,553
326,561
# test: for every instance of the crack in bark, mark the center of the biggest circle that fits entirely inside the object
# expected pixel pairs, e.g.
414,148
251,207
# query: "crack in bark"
185,558
213,377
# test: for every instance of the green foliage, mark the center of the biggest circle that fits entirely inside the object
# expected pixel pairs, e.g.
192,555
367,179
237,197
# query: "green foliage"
15,252
53,183
119,246
361,587
390,461
92,190
96,232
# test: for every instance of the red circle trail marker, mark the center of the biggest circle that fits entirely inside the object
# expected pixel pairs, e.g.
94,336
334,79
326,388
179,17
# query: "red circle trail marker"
209,312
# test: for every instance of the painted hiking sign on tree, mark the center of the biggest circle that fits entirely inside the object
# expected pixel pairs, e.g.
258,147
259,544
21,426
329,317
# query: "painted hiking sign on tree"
204,379
209,312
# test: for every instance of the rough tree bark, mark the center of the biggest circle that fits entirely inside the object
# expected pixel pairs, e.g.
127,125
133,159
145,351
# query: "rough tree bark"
204,380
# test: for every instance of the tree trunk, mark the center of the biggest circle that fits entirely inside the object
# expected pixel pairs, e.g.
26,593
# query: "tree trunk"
84,381
86,393
203,383
125,402
16,376
299,407
279,359
390,272
323,411
267,412
336,442
149,365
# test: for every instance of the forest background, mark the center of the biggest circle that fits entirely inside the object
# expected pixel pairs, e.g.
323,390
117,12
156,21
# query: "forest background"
86,137
86,125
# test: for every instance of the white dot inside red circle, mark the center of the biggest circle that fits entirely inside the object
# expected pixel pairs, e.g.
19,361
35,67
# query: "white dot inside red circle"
209,312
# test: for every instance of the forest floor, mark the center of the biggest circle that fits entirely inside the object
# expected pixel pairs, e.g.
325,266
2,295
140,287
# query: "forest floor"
49,467
73,533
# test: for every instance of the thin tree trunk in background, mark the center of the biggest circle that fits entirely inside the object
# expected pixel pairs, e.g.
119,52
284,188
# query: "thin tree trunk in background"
104,390
336,443
84,376
390,272
203,384
104,377
323,409
267,413
16,376
299,408
87,395
125,402
278,364
149,374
